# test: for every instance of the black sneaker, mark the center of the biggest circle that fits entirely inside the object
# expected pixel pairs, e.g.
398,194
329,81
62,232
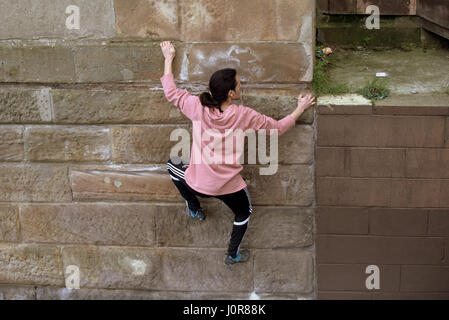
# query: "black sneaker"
242,256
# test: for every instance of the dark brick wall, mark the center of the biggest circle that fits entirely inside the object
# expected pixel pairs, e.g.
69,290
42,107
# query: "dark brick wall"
434,16
388,7
436,11
382,187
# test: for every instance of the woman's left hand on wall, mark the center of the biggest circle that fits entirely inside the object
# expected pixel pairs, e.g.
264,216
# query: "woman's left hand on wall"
168,50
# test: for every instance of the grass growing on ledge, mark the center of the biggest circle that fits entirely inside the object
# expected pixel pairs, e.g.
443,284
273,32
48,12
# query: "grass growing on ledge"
321,84
376,89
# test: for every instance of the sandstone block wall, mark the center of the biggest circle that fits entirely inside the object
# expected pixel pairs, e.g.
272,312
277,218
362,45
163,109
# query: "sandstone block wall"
85,134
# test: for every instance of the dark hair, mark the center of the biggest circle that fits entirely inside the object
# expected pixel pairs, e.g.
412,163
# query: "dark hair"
221,82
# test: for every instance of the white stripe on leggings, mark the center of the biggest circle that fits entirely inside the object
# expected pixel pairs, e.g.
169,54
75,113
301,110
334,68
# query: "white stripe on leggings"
241,223
176,179
176,170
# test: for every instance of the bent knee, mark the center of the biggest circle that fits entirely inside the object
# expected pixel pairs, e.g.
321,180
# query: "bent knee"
242,222
176,161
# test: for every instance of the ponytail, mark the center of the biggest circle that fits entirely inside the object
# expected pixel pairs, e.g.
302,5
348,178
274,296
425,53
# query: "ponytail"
207,100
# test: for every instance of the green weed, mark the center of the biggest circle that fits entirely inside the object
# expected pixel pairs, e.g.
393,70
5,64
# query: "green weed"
321,84
376,89
408,46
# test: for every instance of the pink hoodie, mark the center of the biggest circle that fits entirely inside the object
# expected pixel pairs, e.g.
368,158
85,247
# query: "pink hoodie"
217,178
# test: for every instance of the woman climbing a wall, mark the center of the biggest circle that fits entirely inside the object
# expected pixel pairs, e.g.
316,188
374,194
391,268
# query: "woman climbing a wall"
215,110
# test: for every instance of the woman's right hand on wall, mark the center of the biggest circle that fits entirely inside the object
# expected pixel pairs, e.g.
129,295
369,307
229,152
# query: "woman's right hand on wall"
305,102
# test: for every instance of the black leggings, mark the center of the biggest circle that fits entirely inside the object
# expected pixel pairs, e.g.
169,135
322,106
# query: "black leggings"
239,202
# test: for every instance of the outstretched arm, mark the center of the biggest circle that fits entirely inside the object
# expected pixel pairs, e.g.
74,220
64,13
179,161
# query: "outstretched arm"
182,99
258,121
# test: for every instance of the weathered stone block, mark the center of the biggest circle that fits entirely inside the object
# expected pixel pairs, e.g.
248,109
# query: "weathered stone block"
156,269
99,106
9,223
253,20
123,183
8,292
280,227
147,19
115,267
36,62
25,106
204,270
290,185
31,264
28,19
296,146
101,224
122,62
11,143
262,62
56,143
149,144
23,182
283,271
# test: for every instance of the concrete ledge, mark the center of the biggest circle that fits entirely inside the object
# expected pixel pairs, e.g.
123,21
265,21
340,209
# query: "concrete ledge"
416,104
344,104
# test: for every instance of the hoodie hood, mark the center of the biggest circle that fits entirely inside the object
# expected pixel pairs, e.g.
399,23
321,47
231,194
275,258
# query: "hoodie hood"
221,120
